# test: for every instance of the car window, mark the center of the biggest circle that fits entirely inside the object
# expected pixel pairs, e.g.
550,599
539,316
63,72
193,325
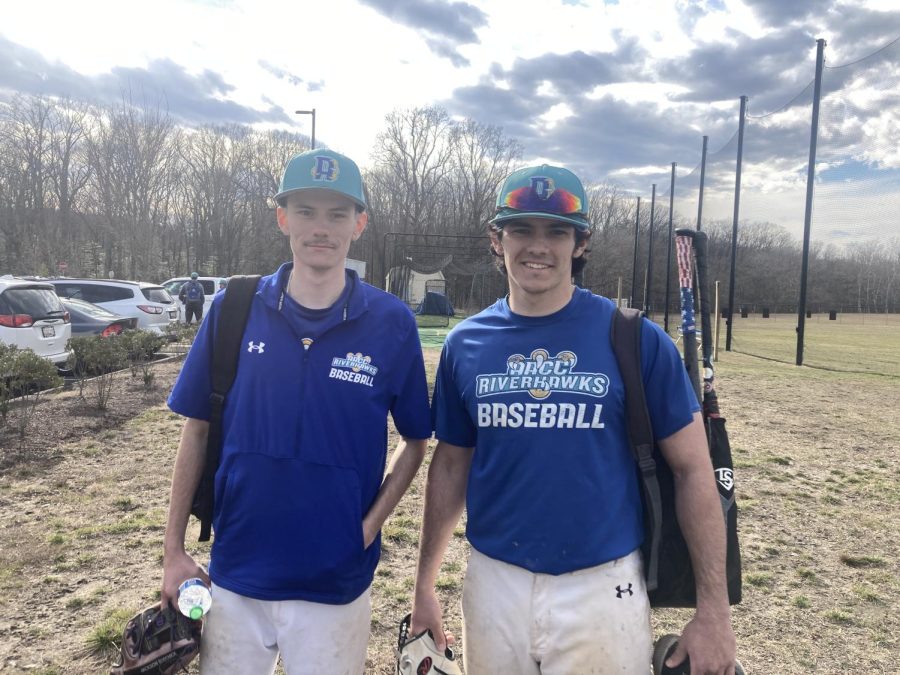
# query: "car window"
67,290
157,294
39,303
209,286
174,286
89,309
104,293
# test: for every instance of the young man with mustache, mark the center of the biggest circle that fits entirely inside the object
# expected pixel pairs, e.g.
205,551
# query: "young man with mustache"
301,491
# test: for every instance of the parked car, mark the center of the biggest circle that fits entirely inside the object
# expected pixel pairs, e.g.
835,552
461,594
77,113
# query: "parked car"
150,304
210,288
91,319
32,317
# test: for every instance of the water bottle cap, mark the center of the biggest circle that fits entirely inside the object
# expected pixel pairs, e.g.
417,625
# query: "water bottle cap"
196,612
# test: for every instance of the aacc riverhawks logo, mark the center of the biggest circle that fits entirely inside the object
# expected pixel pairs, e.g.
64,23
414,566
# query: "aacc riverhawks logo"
541,374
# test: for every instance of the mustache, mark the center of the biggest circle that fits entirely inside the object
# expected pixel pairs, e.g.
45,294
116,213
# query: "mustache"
320,242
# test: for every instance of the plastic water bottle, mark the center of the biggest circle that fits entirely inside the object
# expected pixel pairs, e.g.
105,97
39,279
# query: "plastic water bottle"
194,598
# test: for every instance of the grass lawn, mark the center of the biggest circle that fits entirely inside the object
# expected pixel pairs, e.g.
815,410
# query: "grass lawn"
818,488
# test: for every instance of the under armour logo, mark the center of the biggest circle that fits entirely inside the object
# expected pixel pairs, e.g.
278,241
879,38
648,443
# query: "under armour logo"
542,187
326,168
620,591
259,349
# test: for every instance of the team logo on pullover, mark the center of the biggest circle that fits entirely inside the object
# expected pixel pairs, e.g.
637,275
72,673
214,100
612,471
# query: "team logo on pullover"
353,368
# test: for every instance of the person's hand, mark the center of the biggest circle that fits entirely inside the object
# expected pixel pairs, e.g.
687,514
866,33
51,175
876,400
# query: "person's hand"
178,567
710,643
427,615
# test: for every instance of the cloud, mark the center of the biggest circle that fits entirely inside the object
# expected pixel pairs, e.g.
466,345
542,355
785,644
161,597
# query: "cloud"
280,73
193,98
445,25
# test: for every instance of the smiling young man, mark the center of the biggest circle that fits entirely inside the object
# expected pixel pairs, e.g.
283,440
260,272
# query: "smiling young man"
529,415
301,489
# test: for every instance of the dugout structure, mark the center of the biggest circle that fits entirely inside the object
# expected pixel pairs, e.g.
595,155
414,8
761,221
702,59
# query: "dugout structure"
458,267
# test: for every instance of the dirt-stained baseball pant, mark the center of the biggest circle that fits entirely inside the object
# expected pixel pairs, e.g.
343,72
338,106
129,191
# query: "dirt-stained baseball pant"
245,635
516,622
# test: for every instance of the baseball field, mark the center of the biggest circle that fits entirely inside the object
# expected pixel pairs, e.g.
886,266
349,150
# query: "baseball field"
817,456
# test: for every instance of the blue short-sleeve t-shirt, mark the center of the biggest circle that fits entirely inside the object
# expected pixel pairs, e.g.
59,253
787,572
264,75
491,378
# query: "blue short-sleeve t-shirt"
553,486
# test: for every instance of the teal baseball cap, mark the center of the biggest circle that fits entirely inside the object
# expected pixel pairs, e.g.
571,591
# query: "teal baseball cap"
322,170
543,192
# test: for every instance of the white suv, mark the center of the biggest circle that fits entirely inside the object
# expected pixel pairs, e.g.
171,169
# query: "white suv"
32,317
210,288
150,304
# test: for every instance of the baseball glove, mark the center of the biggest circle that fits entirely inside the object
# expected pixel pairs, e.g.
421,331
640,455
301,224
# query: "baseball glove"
158,642
417,655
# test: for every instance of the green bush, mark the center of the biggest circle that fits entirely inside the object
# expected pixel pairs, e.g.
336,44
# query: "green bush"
23,375
94,355
98,358
141,346
181,336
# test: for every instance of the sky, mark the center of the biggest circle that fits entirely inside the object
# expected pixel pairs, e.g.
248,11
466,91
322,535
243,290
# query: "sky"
615,90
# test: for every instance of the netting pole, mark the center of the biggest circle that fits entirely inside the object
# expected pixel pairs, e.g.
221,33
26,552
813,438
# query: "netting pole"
810,181
648,277
634,257
669,247
702,178
734,222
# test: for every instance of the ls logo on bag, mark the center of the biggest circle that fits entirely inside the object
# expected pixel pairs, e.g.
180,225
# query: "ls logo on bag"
258,348
725,477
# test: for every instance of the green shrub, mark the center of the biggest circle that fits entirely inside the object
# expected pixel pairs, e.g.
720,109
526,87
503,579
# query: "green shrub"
98,358
141,346
23,375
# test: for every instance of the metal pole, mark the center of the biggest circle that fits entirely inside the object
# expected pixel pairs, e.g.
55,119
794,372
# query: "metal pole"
637,224
718,324
619,293
702,179
648,278
734,222
313,114
810,180
669,248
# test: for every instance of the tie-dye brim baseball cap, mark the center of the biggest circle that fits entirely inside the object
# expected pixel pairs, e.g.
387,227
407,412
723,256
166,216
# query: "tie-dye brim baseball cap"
322,170
543,192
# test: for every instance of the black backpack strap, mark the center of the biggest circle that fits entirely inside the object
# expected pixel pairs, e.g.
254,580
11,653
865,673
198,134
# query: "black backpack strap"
626,341
226,350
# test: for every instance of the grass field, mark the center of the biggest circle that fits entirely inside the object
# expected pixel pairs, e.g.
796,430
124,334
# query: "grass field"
867,343
817,460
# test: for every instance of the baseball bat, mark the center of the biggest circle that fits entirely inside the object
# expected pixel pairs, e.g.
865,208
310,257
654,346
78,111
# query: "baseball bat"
684,257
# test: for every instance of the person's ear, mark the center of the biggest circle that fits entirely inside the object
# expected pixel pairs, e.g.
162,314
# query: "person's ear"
281,219
362,219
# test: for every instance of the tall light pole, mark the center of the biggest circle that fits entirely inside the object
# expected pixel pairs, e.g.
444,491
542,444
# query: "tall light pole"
313,113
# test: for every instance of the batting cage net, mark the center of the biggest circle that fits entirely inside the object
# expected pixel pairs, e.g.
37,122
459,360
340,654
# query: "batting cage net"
852,299
441,276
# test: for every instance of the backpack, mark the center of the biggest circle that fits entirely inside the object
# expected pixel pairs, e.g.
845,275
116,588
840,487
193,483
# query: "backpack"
667,561
194,291
226,349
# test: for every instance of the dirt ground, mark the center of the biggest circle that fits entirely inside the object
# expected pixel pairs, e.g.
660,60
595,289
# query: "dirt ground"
83,504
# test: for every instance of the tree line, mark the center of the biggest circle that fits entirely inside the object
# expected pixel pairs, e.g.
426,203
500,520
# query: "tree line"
124,190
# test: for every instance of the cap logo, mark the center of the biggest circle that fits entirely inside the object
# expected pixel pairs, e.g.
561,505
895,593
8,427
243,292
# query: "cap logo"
542,187
325,169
